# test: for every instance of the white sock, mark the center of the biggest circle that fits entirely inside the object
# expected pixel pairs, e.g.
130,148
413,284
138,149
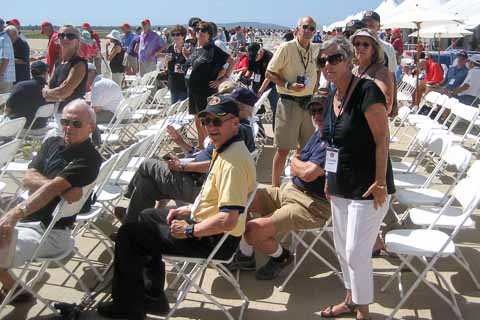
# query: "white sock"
245,248
277,252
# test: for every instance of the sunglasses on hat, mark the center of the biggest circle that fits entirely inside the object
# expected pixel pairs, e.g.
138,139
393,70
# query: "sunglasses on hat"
68,36
71,123
333,59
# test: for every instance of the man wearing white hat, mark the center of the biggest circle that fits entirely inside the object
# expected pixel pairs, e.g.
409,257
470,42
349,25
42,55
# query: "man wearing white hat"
469,92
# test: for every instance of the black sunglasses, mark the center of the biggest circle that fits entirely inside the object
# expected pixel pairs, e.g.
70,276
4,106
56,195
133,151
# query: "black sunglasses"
203,30
71,123
176,34
334,59
357,44
306,26
216,122
314,111
69,36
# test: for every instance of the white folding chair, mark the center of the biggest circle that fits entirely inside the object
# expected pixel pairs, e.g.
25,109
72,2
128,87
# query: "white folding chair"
7,152
11,129
37,135
429,245
180,264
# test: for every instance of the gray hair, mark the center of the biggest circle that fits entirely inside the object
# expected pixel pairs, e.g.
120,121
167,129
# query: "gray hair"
343,45
11,28
82,105
299,22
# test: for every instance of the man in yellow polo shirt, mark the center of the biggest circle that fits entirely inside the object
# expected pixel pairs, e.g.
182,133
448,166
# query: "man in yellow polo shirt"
293,70
186,231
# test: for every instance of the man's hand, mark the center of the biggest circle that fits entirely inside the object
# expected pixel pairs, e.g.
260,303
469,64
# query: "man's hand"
178,214
7,224
177,229
297,87
174,164
73,194
176,137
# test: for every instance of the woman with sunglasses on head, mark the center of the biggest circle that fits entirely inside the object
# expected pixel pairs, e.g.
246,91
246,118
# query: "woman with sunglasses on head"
207,66
175,64
359,172
69,76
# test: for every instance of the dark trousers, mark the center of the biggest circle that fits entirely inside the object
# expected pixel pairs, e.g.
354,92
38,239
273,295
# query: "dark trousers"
141,245
176,96
154,181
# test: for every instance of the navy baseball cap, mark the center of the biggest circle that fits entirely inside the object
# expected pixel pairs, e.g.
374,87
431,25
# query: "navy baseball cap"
38,67
245,96
220,106
354,25
463,53
317,99
371,15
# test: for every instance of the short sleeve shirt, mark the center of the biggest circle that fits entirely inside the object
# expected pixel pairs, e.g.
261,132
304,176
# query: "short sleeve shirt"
176,75
78,164
150,43
106,94
455,77
126,39
473,80
390,53
292,60
231,178
6,52
21,51
131,46
314,151
351,134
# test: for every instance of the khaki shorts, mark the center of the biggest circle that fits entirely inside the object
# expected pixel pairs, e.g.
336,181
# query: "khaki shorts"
292,209
293,125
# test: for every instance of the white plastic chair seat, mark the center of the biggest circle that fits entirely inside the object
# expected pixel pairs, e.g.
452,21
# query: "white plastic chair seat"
109,193
429,125
146,133
135,162
136,116
2,186
37,132
60,256
148,112
110,137
409,180
124,178
419,197
403,97
419,242
83,217
401,167
450,218
17,166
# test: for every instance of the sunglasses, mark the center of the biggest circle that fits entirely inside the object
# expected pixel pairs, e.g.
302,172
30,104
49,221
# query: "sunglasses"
176,34
314,111
68,36
71,123
334,59
216,122
357,44
202,30
306,26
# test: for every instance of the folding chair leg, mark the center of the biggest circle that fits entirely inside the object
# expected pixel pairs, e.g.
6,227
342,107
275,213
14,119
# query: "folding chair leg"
460,258
90,264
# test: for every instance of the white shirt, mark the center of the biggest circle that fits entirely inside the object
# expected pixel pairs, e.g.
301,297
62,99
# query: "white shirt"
106,94
473,80
390,52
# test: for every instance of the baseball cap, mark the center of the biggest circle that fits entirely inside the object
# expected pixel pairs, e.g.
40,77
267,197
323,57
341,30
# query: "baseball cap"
38,67
145,21
397,30
371,15
220,106
14,22
86,25
354,25
125,26
462,53
245,96
317,99
44,25
192,22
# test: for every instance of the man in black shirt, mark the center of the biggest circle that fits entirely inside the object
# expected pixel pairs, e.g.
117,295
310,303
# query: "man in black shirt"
62,167
21,51
26,97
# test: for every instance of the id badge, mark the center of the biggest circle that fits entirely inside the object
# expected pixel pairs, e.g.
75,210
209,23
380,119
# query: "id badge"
257,77
189,72
451,82
331,161
178,68
307,81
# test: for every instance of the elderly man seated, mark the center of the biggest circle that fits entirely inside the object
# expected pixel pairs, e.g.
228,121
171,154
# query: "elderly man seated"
186,231
158,180
62,167
469,91
26,97
296,205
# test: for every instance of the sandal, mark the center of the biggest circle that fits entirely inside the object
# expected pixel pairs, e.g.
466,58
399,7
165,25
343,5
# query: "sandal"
352,309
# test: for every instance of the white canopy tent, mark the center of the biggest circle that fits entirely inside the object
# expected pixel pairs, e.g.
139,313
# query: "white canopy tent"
442,31
386,7
469,9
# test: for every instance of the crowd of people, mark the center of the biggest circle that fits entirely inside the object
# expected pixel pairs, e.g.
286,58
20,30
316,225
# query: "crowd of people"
338,133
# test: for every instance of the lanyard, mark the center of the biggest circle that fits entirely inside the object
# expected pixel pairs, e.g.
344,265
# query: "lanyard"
365,71
305,65
333,119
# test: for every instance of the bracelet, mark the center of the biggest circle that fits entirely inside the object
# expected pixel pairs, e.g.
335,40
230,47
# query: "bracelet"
189,230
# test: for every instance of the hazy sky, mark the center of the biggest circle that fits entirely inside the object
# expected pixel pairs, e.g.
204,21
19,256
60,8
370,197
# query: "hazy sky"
101,12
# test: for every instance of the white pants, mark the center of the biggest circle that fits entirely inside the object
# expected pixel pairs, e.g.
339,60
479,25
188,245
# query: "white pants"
355,228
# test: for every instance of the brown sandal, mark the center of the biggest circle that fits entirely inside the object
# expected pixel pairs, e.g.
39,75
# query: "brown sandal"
352,309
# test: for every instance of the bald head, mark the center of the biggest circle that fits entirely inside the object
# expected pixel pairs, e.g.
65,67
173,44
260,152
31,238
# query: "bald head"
81,107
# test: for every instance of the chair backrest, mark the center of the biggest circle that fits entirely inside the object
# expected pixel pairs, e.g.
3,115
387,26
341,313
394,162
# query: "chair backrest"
12,128
457,156
260,102
45,111
432,97
105,172
474,170
8,151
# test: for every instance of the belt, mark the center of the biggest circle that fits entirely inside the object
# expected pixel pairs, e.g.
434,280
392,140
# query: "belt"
308,193
302,101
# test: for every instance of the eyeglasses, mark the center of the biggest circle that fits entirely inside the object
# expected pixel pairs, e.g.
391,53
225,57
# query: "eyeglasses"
202,30
71,123
309,27
357,44
314,111
216,122
176,34
69,36
334,59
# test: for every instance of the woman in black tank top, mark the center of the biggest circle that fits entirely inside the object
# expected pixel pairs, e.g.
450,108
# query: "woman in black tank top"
115,56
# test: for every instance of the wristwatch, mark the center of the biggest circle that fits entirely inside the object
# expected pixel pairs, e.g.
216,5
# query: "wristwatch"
189,231
23,209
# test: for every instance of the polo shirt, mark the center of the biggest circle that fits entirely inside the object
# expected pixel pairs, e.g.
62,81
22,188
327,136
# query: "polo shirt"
231,178
398,45
473,80
315,152
6,52
24,100
78,164
53,51
131,46
126,39
455,77
21,51
150,43
289,61
433,72
106,94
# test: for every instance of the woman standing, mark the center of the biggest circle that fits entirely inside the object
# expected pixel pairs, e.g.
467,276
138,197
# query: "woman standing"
115,56
69,76
175,65
360,177
207,66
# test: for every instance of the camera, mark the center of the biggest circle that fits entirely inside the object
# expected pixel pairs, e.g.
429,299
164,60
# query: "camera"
301,79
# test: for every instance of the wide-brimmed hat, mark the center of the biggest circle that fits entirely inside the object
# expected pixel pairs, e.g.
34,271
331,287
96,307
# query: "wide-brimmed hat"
363,33
115,35
86,37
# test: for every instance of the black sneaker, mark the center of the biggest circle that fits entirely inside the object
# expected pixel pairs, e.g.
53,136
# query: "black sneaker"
157,305
112,311
242,262
274,266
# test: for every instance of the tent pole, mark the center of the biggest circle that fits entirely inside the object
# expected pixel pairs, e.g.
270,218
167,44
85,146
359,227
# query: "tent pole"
418,60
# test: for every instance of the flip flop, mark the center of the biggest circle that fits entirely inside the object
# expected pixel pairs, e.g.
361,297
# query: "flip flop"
352,309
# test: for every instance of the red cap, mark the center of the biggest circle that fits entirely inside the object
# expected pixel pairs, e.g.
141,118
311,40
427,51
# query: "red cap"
15,22
86,25
125,26
43,25
396,31
145,21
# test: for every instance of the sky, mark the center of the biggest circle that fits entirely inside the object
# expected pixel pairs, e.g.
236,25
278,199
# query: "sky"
100,12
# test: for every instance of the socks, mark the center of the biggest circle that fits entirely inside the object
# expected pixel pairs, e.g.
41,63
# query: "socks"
245,248
278,252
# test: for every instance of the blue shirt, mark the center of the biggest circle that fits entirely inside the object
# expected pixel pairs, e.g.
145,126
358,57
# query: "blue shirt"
314,151
131,46
6,52
126,39
455,77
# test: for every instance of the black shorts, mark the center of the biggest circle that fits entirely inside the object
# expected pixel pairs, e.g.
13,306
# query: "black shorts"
196,103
